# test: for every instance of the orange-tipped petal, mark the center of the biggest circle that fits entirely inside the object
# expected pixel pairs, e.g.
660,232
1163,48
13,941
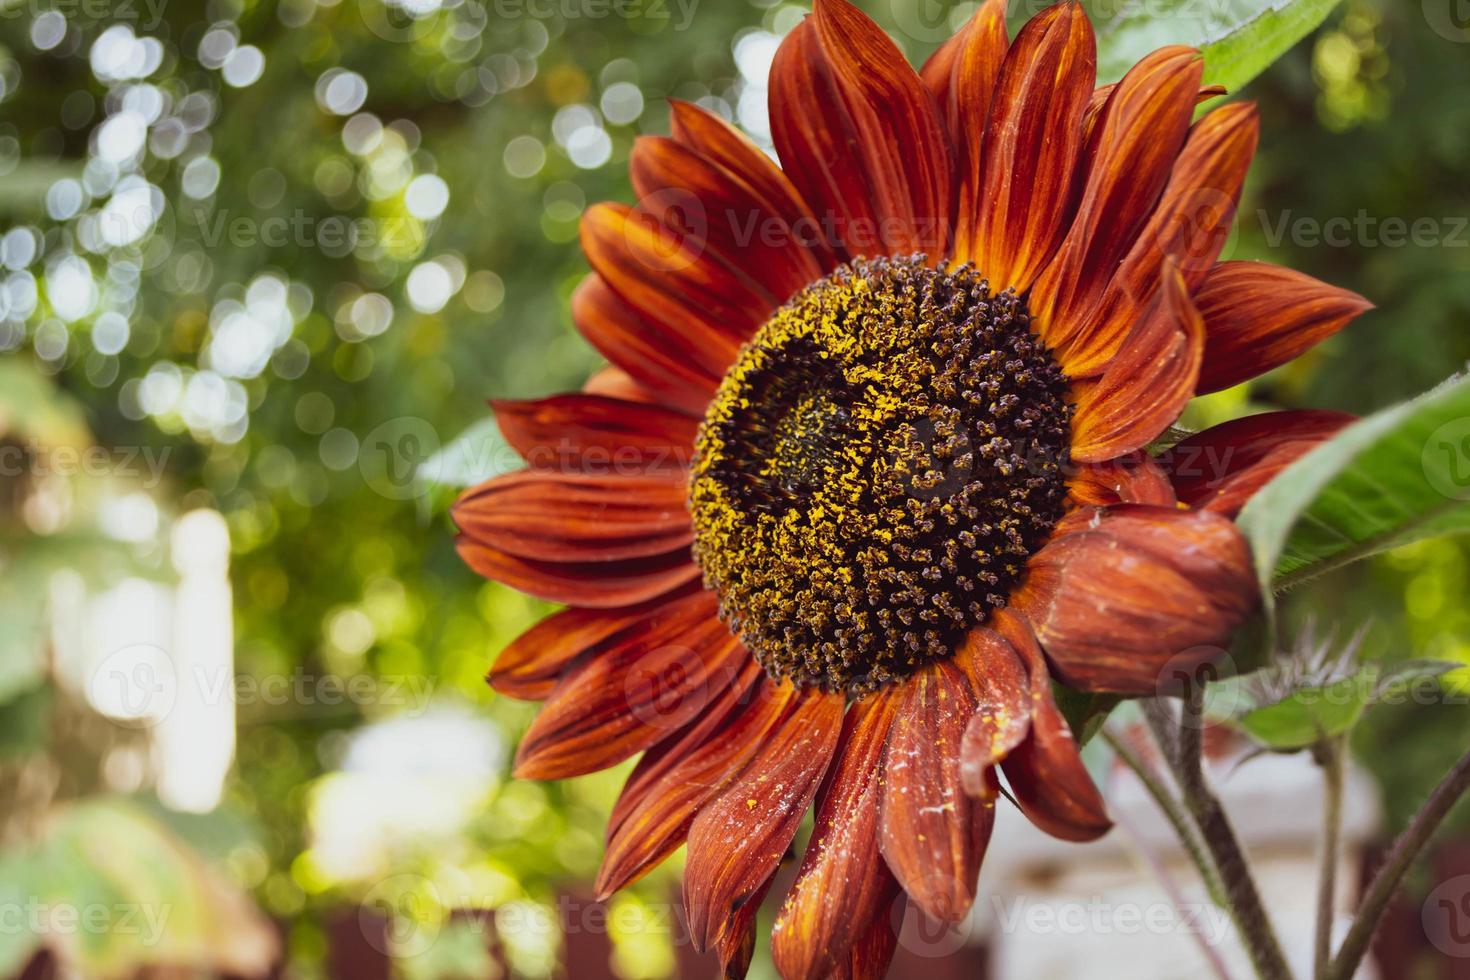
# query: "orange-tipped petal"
1131,589
1142,129
843,883
651,680
614,382
1221,468
596,433
1033,140
933,833
1050,783
1146,386
739,838
1002,715
1259,316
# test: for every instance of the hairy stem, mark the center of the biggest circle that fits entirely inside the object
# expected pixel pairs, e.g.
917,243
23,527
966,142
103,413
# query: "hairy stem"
1329,755
1173,811
1243,898
1400,857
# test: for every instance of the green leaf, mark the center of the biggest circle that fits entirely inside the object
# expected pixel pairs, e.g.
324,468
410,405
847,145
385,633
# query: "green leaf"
1239,38
1390,479
1084,713
1309,715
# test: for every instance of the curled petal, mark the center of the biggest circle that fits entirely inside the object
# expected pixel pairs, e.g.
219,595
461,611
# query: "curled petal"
651,680
739,837
1146,386
933,833
1002,715
843,883
596,433
1260,316
575,517
1132,479
614,382
1032,143
1133,589
1047,776
1221,468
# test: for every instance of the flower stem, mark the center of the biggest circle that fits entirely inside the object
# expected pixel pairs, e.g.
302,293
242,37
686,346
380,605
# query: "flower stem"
1400,857
1329,755
1172,811
1243,898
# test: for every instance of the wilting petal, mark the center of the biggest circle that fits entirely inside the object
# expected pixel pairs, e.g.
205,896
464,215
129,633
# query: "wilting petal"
576,517
963,75
1032,142
652,678
530,667
743,161
740,836
843,882
1002,709
678,776
1132,479
1146,386
1136,587
1141,132
933,833
661,360
594,433
1189,226
1260,316
657,260
1221,468
593,584
1047,776
614,382
859,134
731,218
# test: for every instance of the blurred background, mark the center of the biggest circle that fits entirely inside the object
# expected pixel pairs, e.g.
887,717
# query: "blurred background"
262,263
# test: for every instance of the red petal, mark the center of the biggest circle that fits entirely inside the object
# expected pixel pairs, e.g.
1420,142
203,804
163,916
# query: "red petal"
724,145
934,835
591,432
740,836
1146,386
723,212
963,75
529,668
1116,601
1002,709
678,776
660,359
651,680
1221,468
614,382
872,952
843,883
1141,132
1132,479
593,584
1048,778
859,134
1032,142
658,262
1260,316
574,517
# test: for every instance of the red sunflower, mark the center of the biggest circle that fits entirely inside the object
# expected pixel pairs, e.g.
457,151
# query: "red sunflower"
869,469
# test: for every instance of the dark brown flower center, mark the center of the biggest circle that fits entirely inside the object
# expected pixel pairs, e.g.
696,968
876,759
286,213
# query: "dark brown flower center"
876,469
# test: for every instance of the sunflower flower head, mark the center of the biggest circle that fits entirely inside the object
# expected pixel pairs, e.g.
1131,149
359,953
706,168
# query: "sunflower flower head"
868,470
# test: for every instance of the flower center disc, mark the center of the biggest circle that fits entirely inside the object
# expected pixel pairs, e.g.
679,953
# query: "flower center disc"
876,469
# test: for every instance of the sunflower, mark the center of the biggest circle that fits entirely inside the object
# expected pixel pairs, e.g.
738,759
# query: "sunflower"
870,468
